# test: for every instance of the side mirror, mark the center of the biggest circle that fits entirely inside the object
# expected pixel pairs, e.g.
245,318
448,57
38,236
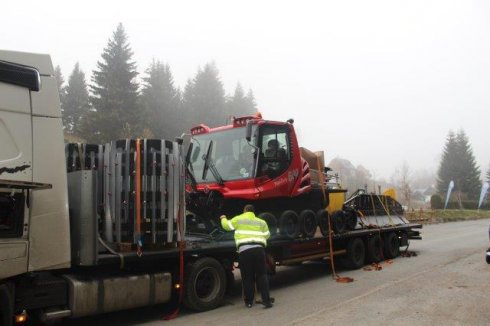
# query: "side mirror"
248,128
195,153
188,154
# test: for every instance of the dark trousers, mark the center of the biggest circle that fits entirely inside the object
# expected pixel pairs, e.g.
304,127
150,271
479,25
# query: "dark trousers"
253,269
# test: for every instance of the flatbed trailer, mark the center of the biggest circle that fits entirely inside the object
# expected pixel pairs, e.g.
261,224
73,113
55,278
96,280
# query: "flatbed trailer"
210,259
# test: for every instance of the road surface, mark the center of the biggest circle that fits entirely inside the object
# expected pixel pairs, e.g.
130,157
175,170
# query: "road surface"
448,282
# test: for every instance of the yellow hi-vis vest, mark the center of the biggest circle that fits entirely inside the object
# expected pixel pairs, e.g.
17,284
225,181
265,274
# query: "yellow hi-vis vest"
248,228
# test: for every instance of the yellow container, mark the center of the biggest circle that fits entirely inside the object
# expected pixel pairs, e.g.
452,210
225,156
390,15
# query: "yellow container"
337,199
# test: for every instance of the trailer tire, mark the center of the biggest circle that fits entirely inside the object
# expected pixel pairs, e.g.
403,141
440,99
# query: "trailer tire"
338,221
322,220
356,254
391,245
271,221
374,249
289,224
205,284
6,305
308,222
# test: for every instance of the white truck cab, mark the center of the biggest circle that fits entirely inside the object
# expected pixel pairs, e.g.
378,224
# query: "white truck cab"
32,152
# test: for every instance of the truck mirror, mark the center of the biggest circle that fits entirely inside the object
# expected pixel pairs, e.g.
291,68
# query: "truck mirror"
248,128
195,153
188,154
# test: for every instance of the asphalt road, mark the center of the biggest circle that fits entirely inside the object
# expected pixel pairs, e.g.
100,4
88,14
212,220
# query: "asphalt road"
448,282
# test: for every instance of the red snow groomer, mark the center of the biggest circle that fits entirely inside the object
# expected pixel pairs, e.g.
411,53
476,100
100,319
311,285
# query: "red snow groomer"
257,161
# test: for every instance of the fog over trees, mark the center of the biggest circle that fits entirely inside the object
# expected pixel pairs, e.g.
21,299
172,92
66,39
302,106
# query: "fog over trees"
488,173
118,103
75,101
458,164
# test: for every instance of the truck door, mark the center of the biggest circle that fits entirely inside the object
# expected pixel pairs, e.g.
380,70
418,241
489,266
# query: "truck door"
275,159
15,165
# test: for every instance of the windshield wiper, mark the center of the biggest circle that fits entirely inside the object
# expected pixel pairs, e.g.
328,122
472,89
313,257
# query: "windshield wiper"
189,168
209,165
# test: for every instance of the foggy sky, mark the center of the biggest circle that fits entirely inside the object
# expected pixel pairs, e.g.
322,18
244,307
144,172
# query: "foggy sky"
375,82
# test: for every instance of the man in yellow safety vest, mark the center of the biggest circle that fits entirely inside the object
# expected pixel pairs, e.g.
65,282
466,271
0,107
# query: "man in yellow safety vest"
251,234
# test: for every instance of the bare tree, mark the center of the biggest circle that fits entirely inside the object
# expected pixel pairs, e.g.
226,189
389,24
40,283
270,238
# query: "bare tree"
401,179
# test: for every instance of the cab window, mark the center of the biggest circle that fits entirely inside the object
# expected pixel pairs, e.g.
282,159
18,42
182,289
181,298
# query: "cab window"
275,150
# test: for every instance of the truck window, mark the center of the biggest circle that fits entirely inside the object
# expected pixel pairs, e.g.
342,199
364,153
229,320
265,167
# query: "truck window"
275,150
11,215
232,155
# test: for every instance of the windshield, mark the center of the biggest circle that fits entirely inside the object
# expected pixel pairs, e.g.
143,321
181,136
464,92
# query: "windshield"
231,154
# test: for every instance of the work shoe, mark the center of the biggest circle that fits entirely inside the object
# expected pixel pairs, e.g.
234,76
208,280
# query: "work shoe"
260,300
267,305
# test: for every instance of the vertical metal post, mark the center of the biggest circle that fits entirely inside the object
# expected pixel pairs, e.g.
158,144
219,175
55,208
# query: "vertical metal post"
163,181
153,196
144,152
118,187
108,195
171,194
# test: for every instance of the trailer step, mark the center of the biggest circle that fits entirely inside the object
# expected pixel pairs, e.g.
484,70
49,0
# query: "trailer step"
55,314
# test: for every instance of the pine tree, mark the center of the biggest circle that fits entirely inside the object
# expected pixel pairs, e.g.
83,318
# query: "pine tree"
469,181
75,101
448,163
239,105
458,164
115,92
251,104
60,81
488,173
204,98
161,102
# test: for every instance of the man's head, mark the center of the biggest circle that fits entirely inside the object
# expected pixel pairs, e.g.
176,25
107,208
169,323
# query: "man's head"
273,143
249,208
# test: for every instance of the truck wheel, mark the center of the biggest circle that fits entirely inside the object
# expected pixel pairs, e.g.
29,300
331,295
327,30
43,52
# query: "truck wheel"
374,249
488,256
271,221
391,245
6,305
308,223
205,284
356,254
338,221
289,224
322,220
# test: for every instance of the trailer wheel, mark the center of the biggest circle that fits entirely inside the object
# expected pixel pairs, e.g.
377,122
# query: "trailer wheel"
356,253
271,221
374,249
322,220
6,305
338,221
308,223
289,224
391,245
205,284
